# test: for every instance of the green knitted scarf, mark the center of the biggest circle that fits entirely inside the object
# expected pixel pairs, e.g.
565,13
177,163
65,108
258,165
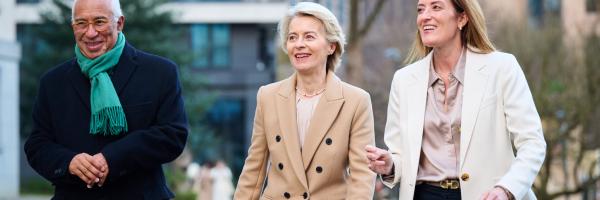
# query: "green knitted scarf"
108,117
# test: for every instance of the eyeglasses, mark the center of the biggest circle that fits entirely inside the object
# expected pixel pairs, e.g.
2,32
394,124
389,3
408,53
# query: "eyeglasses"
99,25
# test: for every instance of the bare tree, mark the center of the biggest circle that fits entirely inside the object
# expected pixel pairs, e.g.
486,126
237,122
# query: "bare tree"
564,89
356,33
381,54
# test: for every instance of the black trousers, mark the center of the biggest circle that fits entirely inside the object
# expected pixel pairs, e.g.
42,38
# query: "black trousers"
430,192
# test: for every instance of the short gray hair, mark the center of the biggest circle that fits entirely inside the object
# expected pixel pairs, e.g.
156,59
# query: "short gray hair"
115,8
333,30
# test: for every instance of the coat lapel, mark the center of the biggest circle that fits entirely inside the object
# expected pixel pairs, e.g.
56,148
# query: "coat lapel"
80,83
120,76
325,113
474,87
416,94
124,69
286,112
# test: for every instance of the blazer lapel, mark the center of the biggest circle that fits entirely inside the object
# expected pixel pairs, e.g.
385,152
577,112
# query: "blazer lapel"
475,83
80,83
286,112
325,113
416,94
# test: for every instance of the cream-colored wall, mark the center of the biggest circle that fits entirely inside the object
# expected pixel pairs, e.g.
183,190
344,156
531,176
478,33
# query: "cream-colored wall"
578,23
498,12
7,21
10,53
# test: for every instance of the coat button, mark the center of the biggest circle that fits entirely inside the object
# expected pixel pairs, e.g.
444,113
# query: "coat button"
464,177
319,169
328,141
305,195
280,166
286,195
277,138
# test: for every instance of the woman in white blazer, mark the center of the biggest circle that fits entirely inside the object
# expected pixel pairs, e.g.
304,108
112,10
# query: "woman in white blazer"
461,120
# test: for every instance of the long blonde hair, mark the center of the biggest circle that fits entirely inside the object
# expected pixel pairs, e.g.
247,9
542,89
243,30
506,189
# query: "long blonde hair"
473,34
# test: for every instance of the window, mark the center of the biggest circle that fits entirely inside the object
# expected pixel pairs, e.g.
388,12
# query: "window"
206,0
536,13
28,1
210,44
592,5
552,6
226,119
27,35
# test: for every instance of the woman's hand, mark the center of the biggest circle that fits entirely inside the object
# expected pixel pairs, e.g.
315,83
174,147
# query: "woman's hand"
380,161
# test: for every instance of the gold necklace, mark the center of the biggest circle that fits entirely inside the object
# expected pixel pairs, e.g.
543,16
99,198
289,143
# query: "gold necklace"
305,94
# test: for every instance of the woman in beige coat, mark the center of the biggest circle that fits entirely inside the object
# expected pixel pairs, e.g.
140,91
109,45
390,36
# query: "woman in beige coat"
311,128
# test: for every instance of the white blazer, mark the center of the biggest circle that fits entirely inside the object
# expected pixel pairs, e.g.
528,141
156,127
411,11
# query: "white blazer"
497,113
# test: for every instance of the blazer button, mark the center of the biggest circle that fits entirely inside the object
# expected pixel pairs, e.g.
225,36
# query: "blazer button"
328,141
280,166
286,195
305,195
457,129
464,177
319,169
277,138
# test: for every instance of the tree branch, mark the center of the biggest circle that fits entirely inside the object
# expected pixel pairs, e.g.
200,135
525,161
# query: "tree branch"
371,18
356,33
576,190
352,32
577,164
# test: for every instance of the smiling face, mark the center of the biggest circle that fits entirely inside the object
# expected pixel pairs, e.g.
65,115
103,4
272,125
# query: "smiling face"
94,27
306,44
439,22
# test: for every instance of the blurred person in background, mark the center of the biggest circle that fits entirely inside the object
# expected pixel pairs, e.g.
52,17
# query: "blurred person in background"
205,182
221,181
311,128
106,120
457,111
192,172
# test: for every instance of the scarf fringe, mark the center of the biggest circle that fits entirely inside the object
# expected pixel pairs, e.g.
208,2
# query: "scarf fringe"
108,121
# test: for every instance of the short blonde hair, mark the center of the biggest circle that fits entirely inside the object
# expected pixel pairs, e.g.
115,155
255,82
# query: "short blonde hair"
473,34
333,30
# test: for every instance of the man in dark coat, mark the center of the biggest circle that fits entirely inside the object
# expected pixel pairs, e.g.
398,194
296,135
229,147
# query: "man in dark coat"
106,120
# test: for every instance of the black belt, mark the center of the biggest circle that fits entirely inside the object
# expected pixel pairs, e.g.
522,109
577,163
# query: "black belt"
449,184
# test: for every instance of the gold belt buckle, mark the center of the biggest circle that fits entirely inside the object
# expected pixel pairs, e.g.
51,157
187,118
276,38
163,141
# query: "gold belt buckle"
449,184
